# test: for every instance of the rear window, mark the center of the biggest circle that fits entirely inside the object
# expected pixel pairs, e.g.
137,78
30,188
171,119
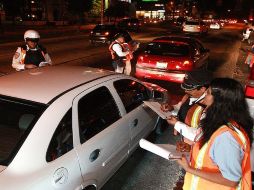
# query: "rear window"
168,49
192,23
105,27
16,121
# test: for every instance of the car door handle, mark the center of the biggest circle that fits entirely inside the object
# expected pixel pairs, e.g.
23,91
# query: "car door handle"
134,123
94,155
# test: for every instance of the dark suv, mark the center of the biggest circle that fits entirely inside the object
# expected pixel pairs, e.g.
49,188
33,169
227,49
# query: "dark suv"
104,33
129,24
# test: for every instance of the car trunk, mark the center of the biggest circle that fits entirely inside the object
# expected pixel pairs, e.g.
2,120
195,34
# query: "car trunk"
167,63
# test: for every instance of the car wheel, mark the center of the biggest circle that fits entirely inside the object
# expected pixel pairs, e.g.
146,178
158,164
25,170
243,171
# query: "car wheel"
90,187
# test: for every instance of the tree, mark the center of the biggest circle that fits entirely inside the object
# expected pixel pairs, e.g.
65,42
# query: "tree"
118,10
79,7
96,8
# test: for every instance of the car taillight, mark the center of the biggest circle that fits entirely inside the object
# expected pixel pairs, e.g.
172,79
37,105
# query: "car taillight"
106,33
198,27
186,62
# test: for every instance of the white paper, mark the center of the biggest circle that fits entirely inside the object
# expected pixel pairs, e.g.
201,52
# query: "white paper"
156,107
166,151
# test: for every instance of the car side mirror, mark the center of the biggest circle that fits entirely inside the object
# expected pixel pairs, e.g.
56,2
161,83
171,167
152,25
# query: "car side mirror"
157,93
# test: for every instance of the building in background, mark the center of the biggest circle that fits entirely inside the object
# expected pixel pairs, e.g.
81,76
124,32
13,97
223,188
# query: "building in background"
150,9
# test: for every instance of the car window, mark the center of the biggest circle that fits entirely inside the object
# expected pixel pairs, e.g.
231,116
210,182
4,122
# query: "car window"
191,23
131,93
104,27
17,120
96,111
168,49
62,140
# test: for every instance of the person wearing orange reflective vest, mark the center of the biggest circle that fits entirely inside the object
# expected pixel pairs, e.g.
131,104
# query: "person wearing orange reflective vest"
220,157
32,54
189,110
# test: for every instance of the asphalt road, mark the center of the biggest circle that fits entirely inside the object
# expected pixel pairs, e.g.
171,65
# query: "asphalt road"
143,171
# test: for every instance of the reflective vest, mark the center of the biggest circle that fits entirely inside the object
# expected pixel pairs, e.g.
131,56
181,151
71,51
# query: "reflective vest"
200,159
23,55
114,55
194,112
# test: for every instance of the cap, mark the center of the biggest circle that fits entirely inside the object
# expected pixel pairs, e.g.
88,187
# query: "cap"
195,79
119,35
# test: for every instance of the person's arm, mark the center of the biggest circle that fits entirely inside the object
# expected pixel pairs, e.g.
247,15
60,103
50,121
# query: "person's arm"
16,60
188,132
215,177
118,49
48,59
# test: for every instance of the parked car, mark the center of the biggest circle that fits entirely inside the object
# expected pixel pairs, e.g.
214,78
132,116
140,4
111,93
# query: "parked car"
215,25
249,88
168,58
104,33
132,24
69,127
199,27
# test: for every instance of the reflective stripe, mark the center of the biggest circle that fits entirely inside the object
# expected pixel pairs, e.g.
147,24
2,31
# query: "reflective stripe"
198,165
201,155
195,118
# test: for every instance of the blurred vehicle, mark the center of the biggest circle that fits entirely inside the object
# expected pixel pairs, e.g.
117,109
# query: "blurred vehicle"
195,27
179,21
168,58
104,33
215,25
248,35
70,127
132,24
249,87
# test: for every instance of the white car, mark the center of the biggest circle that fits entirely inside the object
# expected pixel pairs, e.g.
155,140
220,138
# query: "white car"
246,33
69,128
215,26
195,27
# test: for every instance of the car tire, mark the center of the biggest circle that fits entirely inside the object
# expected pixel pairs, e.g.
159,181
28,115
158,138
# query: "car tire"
90,187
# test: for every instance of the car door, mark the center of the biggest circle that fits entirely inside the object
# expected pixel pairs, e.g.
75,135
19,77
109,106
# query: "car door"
141,119
103,137
62,163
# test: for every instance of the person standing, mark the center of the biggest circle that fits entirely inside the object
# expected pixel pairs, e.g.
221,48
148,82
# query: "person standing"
190,109
220,157
118,53
32,54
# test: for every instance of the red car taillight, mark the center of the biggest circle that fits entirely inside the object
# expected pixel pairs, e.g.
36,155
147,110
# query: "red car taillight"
249,89
106,33
140,60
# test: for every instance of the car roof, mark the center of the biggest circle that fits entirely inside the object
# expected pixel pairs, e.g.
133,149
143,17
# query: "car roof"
44,84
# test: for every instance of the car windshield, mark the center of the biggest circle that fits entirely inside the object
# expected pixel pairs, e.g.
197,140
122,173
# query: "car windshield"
105,27
16,121
168,49
191,23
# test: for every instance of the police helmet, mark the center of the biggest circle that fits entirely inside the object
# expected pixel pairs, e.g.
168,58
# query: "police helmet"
31,35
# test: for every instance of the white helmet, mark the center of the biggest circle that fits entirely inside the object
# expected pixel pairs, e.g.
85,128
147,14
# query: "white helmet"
31,34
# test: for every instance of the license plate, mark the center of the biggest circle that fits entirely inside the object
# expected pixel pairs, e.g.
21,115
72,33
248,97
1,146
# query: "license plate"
162,65
97,33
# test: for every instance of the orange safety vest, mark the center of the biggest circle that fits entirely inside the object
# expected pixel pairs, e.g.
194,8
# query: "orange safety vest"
200,159
193,116
23,55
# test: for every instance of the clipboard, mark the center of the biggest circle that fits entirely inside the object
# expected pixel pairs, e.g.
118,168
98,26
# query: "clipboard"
156,107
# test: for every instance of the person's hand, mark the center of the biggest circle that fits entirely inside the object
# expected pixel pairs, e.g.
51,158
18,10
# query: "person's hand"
30,66
166,107
172,120
184,163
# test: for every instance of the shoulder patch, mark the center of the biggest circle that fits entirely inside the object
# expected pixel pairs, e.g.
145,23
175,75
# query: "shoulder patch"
16,55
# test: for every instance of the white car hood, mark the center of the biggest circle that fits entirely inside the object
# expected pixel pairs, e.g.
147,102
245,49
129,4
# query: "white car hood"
2,168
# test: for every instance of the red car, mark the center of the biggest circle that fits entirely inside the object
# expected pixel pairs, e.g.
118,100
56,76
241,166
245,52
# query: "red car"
168,58
249,88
